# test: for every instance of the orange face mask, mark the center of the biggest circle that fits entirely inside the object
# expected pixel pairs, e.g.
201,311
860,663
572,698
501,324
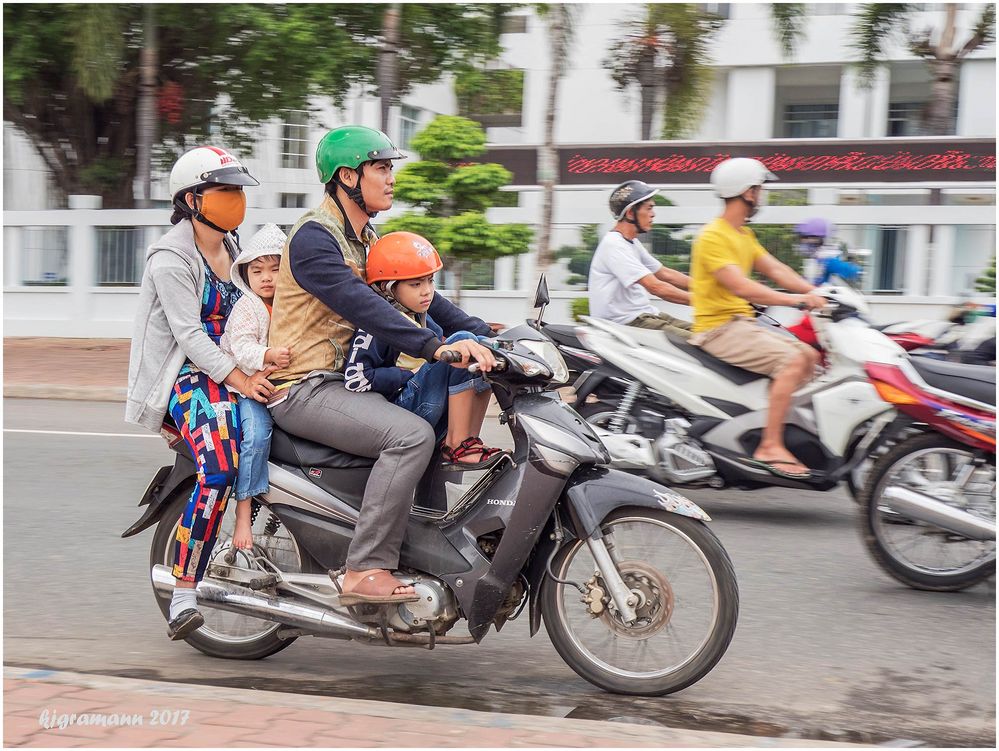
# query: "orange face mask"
224,208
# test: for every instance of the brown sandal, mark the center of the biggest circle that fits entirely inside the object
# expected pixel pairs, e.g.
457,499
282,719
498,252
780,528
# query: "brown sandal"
474,445
368,590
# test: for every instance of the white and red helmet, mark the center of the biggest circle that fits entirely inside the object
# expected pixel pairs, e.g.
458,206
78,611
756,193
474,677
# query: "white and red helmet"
205,166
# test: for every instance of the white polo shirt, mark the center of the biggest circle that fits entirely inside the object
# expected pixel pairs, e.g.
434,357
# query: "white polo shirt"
615,293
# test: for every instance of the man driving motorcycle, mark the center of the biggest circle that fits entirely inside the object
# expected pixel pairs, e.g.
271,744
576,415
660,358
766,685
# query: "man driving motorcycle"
722,258
320,301
623,272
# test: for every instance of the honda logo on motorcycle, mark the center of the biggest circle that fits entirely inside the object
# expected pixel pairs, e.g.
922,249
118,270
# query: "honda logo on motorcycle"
315,472
499,502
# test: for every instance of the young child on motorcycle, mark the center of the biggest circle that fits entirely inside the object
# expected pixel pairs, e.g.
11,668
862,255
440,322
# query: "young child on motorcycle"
254,272
401,268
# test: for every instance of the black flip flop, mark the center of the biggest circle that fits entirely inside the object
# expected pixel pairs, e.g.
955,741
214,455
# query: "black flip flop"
769,467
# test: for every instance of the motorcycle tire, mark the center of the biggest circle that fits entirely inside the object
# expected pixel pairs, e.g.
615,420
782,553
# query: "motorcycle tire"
161,550
915,578
699,663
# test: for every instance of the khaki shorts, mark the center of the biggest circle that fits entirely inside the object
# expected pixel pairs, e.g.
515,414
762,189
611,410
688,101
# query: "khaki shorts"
663,322
747,344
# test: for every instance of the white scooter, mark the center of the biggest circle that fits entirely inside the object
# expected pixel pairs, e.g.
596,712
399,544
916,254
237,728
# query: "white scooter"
666,408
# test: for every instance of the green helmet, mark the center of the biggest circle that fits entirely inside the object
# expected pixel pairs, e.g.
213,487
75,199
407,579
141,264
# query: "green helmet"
351,146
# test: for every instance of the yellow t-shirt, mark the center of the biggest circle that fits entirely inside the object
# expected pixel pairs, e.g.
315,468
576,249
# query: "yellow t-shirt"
720,244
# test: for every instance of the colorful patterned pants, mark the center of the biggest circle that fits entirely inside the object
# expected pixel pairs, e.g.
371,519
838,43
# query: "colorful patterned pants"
207,416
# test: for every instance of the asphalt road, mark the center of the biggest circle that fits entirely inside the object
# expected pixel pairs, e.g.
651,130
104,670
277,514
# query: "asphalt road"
827,646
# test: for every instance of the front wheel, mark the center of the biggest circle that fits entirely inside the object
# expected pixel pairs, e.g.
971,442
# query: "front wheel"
688,604
918,553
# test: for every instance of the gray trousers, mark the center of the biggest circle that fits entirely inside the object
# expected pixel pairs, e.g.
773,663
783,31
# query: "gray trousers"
366,424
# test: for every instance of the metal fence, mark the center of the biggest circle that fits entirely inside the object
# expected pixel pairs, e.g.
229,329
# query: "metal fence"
44,256
120,256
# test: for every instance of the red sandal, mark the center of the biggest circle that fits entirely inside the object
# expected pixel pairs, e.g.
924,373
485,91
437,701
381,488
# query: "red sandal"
474,445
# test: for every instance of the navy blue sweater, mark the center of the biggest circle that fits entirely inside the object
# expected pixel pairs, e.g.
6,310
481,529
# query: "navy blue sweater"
372,363
318,266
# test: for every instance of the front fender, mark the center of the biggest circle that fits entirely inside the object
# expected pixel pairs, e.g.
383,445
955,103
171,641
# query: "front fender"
593,492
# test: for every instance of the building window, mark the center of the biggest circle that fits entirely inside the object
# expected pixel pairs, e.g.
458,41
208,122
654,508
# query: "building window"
293,200
120,256
721,10
514,25
494,98
409,124
44,256
810,120
906,119
295,140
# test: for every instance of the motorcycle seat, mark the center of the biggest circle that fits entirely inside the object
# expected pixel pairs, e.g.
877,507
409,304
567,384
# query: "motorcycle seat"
565,335
300,452
976,382
737,375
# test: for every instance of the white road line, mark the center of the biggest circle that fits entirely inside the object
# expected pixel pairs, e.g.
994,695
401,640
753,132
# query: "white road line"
70,432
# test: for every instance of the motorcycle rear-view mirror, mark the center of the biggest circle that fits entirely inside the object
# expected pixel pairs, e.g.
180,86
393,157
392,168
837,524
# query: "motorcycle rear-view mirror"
541,298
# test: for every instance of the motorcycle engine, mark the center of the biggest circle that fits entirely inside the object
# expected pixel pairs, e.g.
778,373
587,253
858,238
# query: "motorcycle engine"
681,459
435,609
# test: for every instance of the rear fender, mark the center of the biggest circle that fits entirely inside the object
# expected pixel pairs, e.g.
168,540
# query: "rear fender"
161,488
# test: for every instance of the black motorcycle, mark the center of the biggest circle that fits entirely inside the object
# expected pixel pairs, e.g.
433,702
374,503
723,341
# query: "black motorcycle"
637,594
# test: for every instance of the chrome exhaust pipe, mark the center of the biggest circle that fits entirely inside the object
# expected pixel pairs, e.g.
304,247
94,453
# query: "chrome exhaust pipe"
290,613
925,508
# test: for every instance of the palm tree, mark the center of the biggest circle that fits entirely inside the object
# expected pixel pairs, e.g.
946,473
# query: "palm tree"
877,23
561,21
789,20
666,54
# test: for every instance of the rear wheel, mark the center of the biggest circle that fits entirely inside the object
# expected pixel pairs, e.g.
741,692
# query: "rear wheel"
230,635
688,605
918,553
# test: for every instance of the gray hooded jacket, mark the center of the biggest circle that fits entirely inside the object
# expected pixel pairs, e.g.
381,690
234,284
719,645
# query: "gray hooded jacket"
168,327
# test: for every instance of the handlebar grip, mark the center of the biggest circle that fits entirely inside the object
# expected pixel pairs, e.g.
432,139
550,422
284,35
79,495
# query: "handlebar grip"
450,355
801,306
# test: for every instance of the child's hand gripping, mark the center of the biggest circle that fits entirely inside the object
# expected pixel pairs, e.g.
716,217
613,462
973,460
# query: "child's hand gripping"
279,356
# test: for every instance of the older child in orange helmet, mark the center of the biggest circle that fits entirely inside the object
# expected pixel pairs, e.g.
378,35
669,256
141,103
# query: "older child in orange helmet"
401,268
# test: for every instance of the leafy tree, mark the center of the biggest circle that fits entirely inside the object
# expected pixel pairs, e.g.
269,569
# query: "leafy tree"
71,73
581,256
451,195
666,53
987,281
878,24
789,21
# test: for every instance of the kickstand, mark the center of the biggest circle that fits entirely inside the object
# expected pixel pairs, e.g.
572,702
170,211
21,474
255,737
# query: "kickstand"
383,625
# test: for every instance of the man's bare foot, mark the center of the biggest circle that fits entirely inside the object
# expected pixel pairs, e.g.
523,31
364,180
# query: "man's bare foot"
352,579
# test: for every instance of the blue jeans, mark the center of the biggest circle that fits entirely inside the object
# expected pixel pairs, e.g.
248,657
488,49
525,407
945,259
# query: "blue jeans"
426,393
254,448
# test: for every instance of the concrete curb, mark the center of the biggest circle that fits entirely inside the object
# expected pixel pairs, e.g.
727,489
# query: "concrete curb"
634,735
54,391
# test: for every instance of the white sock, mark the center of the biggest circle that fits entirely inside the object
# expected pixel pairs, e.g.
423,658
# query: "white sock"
183,598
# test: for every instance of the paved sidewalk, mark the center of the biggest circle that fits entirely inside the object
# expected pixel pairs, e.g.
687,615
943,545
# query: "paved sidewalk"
50,368
52,708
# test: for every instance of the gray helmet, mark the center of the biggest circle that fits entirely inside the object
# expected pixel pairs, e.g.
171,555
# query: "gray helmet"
627,195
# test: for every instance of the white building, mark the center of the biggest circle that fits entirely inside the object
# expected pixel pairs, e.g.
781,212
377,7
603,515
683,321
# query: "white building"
72,271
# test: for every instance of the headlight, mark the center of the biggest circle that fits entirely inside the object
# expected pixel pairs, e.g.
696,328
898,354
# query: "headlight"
550,354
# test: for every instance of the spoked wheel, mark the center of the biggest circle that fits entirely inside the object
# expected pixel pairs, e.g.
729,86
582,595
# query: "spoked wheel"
227,634
687,605
918,553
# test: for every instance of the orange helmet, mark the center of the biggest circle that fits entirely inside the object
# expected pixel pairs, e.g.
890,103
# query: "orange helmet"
402,255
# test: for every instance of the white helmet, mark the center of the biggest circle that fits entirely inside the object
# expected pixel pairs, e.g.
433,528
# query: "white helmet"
733,177
205,166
